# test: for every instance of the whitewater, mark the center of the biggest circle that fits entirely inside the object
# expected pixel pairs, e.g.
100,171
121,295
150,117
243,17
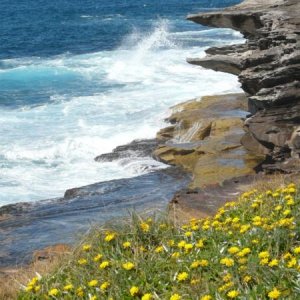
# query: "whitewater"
87,104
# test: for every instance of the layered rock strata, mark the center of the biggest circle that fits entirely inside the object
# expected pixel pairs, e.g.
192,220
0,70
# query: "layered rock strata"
268,67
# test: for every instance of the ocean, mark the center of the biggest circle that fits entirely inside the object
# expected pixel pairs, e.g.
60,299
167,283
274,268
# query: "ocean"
78,78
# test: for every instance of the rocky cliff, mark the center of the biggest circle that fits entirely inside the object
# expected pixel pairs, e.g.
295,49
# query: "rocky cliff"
268,67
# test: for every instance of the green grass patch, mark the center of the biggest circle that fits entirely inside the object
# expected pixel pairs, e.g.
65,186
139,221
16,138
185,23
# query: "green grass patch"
249,250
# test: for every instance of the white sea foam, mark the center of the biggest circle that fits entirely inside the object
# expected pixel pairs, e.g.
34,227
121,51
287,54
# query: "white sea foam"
48,148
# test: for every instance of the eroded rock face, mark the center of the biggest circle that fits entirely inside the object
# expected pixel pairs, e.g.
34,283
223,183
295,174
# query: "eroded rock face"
268,66
205,139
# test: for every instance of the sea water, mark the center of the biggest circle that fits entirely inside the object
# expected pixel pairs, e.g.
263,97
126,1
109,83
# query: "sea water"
78,78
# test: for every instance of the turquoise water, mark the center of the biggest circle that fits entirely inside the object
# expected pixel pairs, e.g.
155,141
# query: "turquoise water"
78,79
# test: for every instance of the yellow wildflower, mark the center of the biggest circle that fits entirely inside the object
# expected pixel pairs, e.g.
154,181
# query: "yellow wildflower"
181,244
175,297
145,227
227,277
104,264
82,261
206,297
134,290
86,247
93,283
273,263
203,263
182,276
68,287
126,245
97,257
53,292
233,250
195,281
104,286
195,264
80,292
292,263
233,294
228,262
245,228
147,296
264,254
199,244
296,250
188,234
244,252
274,294
264,261
109,237
159,249
128,266
171,243
175,255
188,247
247,278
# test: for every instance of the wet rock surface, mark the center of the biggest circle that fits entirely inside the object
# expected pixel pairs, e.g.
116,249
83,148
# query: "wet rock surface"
27,227
137,148
268,66
205,139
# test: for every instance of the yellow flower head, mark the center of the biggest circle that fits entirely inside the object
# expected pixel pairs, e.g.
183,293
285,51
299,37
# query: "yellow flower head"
145,227
86,247
296,250
182,276
97,257
93,283
147,296
274,294
175,297
188,247
126,245
128,266
188,234
175,255
82,261
134,291
104,286
273,263
181,244
233,294
53,292
109,237
199,244
264,254
105,264
203,263
80,292
206,297
68,287
228,262
159,249
247,278
233,250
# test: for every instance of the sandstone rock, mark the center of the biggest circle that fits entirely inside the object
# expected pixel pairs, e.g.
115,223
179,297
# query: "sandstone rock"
206,139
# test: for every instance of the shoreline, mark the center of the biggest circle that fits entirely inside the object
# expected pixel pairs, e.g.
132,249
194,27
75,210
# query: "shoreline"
263,98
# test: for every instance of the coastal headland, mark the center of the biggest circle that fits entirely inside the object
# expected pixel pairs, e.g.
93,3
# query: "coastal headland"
226,142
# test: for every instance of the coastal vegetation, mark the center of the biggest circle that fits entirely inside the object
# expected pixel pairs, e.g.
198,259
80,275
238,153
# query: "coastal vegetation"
250,249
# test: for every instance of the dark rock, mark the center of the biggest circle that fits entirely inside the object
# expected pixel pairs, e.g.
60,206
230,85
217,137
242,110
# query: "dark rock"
223,63
33,226
137,148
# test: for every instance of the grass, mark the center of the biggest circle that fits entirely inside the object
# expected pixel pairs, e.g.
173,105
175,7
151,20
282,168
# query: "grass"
249,250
